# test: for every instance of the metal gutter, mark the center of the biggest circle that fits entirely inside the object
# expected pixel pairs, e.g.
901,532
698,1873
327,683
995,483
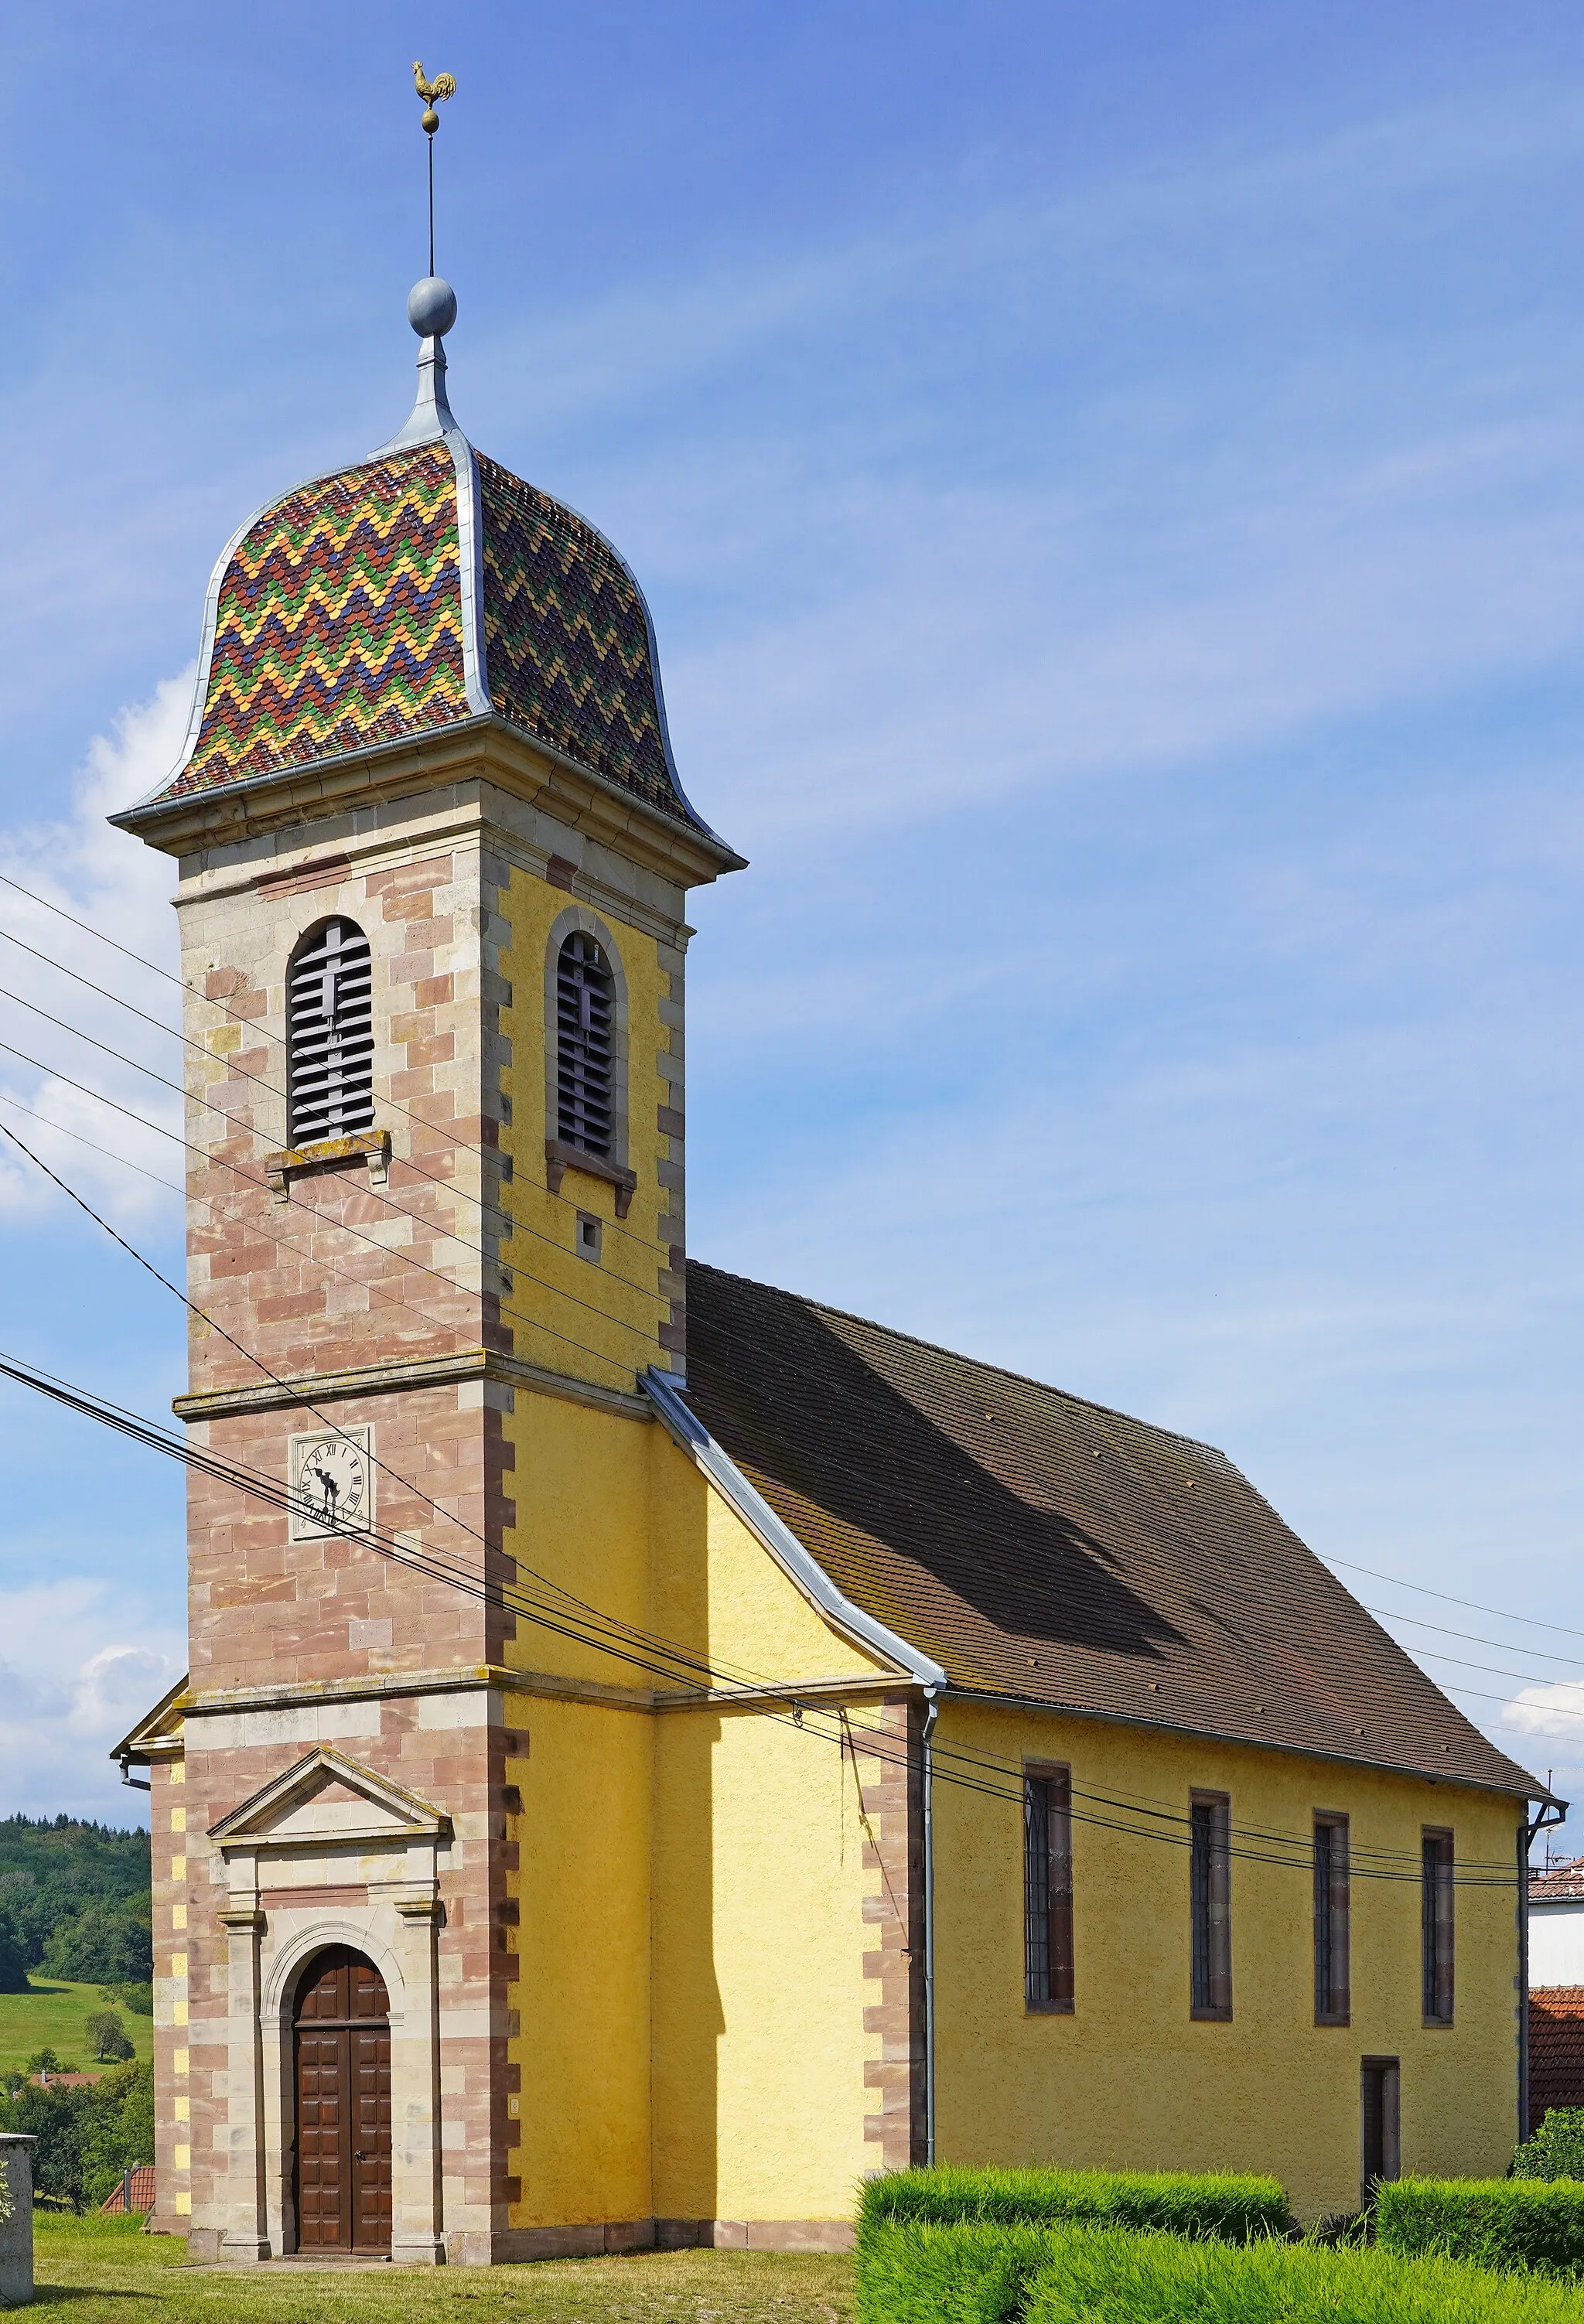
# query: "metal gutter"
756,1512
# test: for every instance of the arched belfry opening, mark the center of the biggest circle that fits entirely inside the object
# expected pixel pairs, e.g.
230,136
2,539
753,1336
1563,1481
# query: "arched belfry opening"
341,2079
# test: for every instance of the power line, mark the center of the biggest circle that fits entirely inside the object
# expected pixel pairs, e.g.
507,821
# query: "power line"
297,1398
378,1193
628,1630
1468,1604
800,1715
389,1250
255,1025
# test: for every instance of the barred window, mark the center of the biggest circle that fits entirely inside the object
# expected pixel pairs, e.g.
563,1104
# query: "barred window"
1435,1923
1047,1889
330,1034
1332,2000
1209,1872
586,995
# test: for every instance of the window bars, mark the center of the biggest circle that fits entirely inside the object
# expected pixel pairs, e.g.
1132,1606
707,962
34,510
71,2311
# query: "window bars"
1047,1889
330,1035
1210,1870
1333,1999
1435,1923
584,1019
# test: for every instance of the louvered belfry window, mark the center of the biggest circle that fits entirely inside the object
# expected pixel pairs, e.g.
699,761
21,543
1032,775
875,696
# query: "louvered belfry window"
585,1016
330,1034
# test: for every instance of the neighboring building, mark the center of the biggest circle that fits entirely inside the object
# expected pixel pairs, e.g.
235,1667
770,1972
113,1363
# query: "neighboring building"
1556,1926
1556,1994
1556,2050
139,2182
656,1748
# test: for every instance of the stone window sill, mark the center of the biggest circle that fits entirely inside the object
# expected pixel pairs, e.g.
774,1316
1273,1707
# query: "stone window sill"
559,1159
373,1146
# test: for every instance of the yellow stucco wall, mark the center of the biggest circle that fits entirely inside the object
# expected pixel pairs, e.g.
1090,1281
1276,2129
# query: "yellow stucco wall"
691,1883
599,1323
1128,2080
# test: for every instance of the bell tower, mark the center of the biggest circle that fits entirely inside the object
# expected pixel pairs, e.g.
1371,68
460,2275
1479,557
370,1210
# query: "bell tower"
433,861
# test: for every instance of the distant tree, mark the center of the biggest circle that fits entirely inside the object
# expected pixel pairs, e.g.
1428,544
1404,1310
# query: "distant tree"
138,1998
106,2035
103,1944
12,1957
88,2136
45,2061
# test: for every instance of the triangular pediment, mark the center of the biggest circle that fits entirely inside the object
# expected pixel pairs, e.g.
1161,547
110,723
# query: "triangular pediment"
326,1798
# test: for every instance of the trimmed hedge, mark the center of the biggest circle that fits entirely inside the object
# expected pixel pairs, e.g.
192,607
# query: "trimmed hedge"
1221,2204
975,2274
1151,2279
1556,2151
968,2274
1528,2223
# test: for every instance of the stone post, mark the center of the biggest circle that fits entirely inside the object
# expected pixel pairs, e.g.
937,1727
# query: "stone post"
246,2225
16,2232
417,2228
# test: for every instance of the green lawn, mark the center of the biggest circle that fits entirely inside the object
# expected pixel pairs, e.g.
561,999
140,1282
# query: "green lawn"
92,2269
50,2017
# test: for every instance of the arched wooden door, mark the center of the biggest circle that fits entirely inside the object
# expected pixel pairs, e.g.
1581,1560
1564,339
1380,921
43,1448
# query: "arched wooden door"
342,2062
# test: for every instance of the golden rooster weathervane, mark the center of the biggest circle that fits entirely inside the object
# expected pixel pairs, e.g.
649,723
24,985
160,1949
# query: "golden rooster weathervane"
443,86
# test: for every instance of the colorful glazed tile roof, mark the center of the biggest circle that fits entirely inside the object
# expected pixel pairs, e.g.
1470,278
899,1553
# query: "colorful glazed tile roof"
568,638
344,617
338,622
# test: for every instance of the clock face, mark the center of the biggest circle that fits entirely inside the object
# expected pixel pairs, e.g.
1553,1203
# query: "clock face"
332,1483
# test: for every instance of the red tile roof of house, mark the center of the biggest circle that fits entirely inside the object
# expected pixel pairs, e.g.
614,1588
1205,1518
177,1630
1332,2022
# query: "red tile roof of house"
143,2192
1562,1884
1556,2049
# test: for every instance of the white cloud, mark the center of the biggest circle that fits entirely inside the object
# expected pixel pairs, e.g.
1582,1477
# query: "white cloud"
83,866
1557,1711
83,1660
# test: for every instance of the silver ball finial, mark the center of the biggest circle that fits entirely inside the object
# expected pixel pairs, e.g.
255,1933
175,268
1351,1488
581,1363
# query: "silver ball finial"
431,307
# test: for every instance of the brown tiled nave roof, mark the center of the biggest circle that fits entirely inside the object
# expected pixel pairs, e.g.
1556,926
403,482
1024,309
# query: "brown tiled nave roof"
1039,1547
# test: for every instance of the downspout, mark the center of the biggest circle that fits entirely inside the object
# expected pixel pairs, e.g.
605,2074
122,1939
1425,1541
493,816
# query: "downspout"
1552,1813
931,1712
1525,1843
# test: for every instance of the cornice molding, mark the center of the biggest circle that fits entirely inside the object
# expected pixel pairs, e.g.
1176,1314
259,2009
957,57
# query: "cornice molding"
486,748
307,1389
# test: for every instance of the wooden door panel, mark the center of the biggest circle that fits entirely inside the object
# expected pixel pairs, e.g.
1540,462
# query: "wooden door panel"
344,2115
370,2085
323,2127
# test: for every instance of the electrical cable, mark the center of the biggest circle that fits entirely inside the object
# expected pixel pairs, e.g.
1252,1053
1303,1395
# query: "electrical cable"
376,1194
750,1679
389,1250
798,1718
255,1026
171,1032
628,1630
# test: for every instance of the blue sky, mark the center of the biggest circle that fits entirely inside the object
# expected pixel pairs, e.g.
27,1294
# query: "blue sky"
1111,487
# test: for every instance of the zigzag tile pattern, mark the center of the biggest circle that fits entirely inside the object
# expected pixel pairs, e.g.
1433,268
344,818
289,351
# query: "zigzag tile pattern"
339,622
566,639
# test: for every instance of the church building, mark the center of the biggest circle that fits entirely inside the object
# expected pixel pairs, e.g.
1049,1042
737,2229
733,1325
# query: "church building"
656,1749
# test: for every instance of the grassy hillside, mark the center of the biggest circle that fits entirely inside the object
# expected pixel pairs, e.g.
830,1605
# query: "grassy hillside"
50,2017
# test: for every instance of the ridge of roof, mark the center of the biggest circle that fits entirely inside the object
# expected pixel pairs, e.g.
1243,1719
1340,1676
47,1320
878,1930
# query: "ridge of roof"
1155,1586
977,1363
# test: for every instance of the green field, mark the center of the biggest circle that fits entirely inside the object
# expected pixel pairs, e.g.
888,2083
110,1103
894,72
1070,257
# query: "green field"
97,2271
50,2017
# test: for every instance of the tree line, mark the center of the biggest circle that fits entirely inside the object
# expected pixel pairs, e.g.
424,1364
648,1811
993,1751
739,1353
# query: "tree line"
75,1904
